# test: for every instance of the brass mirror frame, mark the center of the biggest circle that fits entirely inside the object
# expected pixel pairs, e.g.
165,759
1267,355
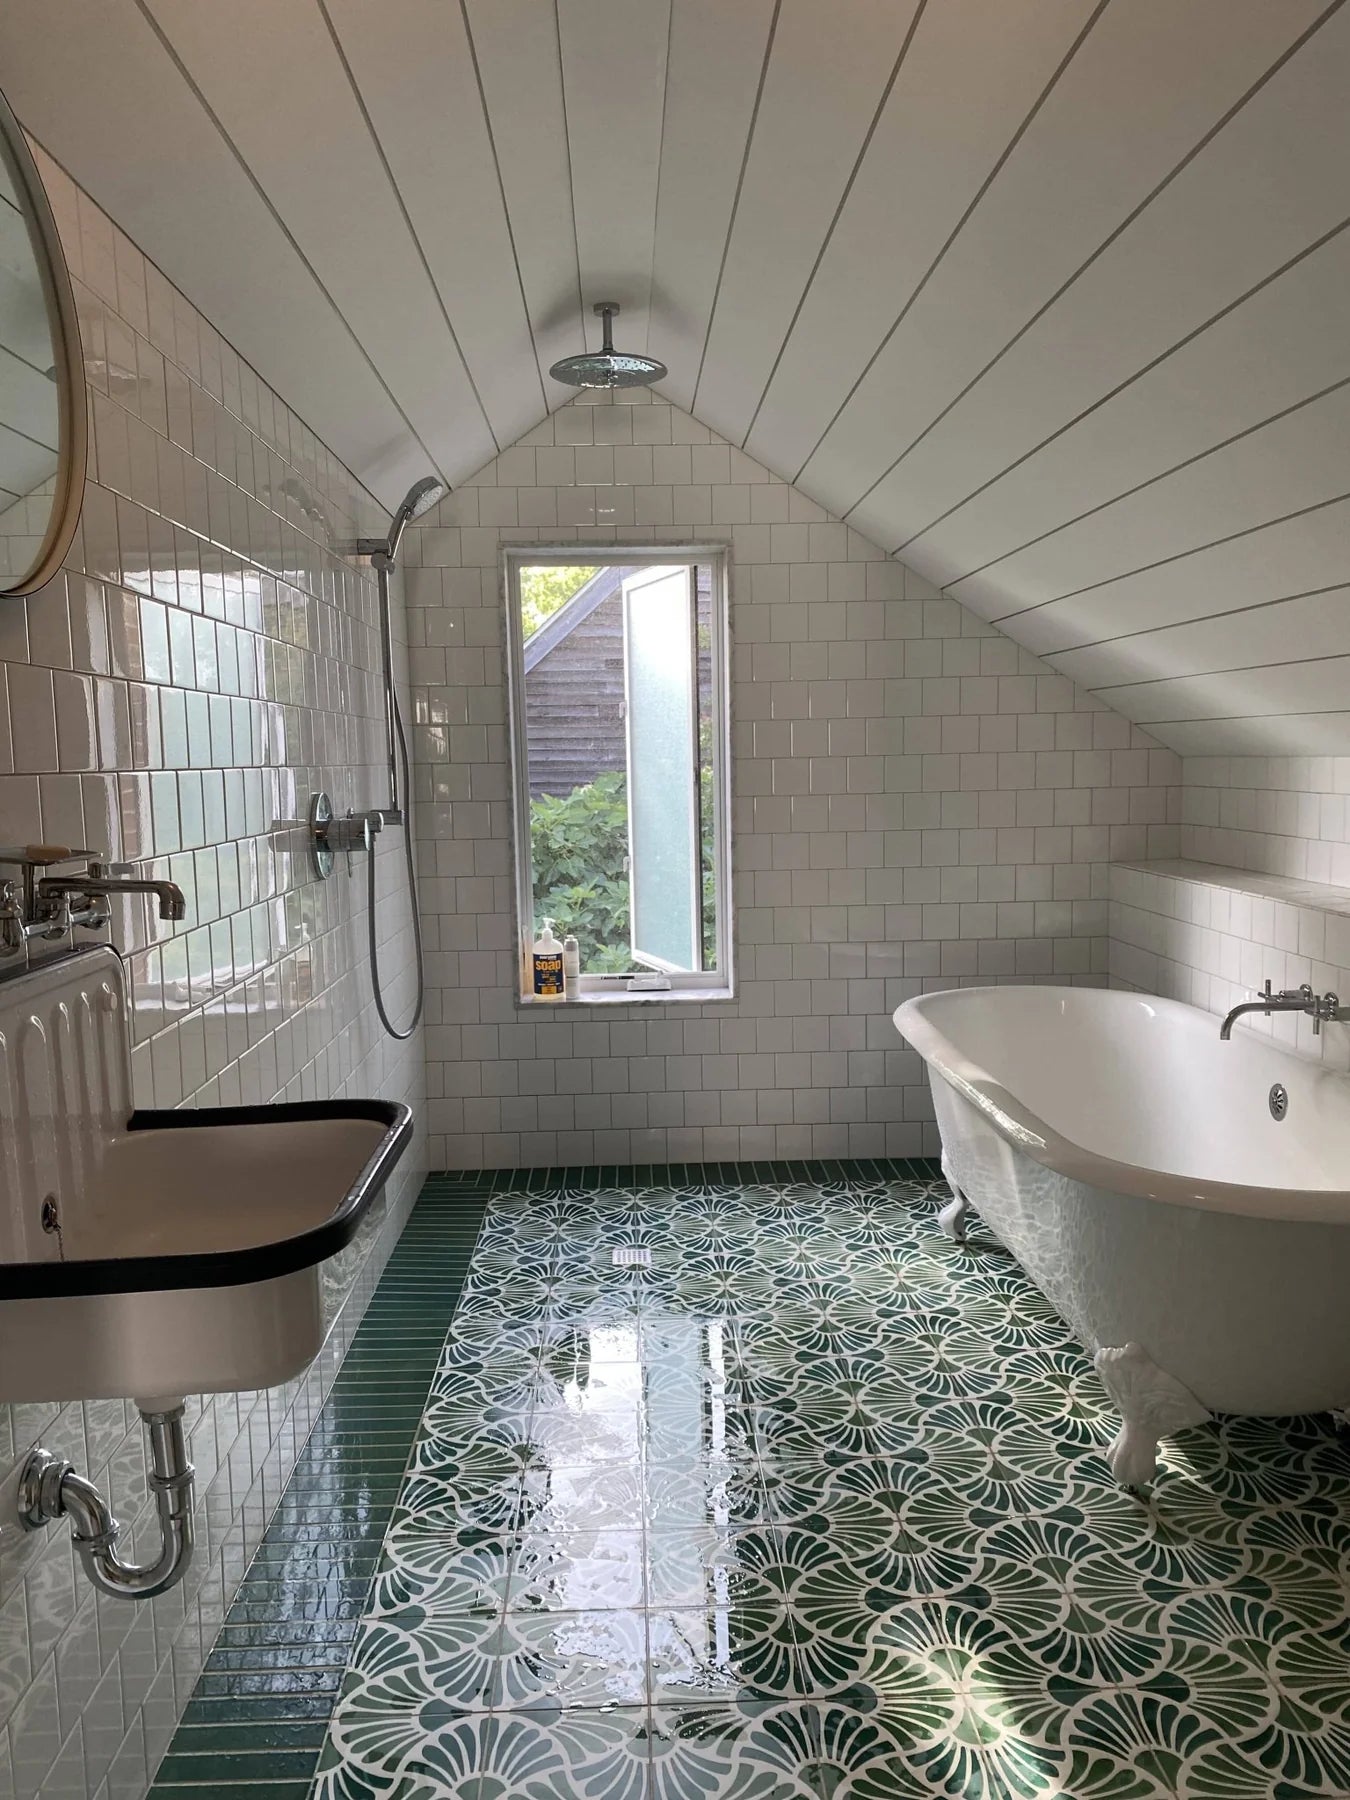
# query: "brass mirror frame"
73,425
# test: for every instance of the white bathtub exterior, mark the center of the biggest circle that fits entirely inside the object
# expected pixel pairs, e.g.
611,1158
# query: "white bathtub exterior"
1128,1158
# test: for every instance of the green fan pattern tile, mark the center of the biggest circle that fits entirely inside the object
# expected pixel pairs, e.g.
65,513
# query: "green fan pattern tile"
814,1503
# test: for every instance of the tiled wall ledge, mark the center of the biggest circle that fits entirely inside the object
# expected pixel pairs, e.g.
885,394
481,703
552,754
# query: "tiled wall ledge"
1210,935
82,1728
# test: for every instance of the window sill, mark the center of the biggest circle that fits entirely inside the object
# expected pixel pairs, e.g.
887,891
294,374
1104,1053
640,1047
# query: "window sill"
622,997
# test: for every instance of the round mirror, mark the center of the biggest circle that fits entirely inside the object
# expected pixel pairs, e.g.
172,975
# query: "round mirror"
42,417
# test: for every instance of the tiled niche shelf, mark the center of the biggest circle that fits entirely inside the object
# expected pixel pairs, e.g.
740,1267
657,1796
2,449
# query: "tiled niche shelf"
1211,935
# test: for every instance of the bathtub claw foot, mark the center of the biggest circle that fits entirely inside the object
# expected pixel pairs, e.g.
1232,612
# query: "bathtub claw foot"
953,1217
954,1214
1152,1405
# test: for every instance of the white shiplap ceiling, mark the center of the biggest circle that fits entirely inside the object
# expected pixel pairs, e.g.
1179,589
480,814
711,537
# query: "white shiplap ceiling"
1052,297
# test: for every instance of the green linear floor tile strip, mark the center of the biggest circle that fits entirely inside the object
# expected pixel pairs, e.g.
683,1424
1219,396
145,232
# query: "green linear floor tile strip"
818,1173
259,1715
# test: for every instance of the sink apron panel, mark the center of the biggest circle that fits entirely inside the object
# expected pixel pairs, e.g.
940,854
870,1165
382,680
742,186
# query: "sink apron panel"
112,1346
65,1085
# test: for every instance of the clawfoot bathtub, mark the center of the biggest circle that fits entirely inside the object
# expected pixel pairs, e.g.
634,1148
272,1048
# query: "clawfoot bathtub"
1192,1227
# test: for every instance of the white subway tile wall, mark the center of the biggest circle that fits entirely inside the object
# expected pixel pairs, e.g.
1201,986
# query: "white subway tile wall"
916,802
1281,815
202,663
1211,936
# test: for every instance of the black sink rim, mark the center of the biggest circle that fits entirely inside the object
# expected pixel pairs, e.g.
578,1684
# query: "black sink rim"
229,1268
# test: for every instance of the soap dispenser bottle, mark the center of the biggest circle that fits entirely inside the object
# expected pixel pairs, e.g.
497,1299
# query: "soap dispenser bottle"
548,965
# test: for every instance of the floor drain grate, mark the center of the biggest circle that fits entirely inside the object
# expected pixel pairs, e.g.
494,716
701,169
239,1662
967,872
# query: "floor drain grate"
629,1256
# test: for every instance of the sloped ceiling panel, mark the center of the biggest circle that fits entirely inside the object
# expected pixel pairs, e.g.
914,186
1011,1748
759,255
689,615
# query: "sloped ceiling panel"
1046,295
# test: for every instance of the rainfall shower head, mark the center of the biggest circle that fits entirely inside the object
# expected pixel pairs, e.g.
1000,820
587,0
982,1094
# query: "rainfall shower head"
608,367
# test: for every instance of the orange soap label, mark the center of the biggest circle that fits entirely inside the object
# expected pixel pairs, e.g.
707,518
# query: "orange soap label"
548,975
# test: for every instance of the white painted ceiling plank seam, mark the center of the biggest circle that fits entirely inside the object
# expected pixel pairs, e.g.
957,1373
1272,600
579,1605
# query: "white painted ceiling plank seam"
1277,560
281,225
519,76
715,69
1159,188
828,238
736,201
501,190
571,175
396,193
955,233
1296,406
660,167
1304,684
1163,562
1088,664
792,182
1182,343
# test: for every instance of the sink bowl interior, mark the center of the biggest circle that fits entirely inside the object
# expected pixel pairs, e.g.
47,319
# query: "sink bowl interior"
208,1188
190,1253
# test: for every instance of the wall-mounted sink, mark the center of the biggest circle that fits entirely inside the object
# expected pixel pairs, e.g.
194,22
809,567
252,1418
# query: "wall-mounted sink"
190,1263
151,1255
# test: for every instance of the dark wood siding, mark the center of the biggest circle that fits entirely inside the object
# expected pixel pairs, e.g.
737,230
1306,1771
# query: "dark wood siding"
574,704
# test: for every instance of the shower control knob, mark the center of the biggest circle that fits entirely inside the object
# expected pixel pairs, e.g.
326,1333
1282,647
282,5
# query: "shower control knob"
329,835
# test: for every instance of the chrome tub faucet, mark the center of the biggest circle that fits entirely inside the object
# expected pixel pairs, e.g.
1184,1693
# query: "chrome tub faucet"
1321,1008
49,906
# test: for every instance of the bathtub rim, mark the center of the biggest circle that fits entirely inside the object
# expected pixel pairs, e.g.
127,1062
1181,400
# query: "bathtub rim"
1029,1134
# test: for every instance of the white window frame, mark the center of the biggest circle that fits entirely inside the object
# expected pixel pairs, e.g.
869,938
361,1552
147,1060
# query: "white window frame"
697,985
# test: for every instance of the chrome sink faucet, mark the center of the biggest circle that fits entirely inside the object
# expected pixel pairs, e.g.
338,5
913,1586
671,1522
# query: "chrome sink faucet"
1321,1008
49,906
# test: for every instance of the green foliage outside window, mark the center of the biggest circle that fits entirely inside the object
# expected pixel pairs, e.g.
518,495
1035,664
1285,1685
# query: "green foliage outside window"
579,847
543,591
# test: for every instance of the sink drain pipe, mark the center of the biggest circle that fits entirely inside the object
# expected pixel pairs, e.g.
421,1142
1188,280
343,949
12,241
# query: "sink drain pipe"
51,1489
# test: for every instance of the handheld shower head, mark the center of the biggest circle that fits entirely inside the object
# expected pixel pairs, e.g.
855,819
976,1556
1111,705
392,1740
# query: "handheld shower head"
420,497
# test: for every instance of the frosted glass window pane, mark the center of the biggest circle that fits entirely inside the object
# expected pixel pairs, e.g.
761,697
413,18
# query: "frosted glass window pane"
662,706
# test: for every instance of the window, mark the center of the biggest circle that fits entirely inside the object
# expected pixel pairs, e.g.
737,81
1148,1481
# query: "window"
619,735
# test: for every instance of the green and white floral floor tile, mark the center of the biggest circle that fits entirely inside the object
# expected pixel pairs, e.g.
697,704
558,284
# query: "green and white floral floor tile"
814,1506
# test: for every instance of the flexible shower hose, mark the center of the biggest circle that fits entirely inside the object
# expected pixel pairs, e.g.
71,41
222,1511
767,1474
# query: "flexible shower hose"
385,1020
